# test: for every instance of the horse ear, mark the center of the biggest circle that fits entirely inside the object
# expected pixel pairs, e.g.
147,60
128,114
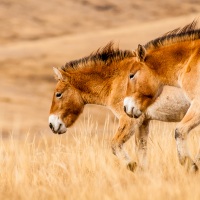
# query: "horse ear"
58,73
141,52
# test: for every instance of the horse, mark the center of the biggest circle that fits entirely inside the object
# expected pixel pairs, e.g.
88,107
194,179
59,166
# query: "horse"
173,60
99,79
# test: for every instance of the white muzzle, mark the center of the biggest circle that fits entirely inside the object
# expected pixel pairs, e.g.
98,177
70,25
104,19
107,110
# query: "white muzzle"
130,108
56,124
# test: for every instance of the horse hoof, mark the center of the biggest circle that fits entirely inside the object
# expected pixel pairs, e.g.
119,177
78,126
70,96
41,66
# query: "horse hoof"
132,166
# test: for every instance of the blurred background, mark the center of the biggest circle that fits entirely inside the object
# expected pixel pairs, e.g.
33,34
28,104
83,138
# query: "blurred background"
36,35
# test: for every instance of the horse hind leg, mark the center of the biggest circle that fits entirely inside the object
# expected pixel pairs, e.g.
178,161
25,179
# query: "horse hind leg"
183,154
190,121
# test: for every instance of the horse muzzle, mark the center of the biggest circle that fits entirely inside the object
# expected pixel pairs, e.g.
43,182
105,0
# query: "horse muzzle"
56,124
130,108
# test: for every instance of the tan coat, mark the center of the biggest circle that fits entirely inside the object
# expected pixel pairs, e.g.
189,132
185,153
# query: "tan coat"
172,60
102,79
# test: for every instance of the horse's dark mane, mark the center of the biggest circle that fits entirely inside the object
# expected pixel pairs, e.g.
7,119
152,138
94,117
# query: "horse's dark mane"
187,33
107,54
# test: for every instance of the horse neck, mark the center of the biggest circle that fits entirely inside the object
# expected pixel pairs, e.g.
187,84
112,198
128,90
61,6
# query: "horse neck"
94,87
97,91
168,69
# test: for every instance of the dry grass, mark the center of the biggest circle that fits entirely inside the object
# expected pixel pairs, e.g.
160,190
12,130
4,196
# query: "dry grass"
80,165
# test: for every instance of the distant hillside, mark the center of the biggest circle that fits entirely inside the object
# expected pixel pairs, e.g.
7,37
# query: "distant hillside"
34,19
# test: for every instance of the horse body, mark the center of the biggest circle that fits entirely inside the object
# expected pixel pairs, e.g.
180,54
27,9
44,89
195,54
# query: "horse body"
102,79
170,106
172,60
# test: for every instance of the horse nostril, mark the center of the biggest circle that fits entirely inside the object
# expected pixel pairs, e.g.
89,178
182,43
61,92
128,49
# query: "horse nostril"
50,125
124,108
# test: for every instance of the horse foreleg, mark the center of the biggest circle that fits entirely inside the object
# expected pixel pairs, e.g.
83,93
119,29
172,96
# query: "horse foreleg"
190,121
141,137
124,132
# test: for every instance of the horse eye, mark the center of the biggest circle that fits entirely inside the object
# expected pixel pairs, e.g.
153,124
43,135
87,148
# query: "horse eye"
58,95
131,76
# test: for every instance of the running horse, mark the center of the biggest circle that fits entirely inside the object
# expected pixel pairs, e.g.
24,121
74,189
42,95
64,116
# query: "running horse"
173,60
100,79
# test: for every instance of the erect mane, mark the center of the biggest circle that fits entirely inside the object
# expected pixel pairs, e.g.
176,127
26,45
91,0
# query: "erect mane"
187,33
105,55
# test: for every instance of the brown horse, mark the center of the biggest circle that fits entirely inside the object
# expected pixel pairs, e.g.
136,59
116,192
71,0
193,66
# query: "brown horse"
99,79
174,60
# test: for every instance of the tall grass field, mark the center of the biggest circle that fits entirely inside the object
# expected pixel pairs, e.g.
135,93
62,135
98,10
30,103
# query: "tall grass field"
79,165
